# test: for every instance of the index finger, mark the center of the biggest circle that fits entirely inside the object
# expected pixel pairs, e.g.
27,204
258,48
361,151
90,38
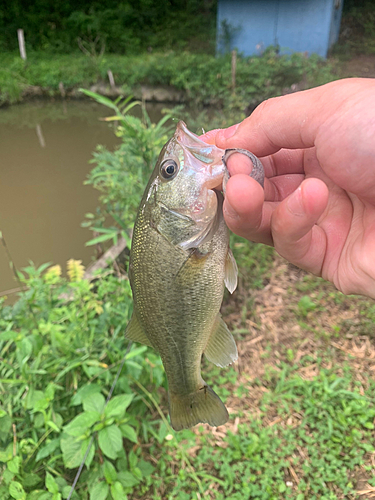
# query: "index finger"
290,121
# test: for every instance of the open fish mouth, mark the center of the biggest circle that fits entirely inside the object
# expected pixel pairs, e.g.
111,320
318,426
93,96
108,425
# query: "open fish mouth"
202,156
215,159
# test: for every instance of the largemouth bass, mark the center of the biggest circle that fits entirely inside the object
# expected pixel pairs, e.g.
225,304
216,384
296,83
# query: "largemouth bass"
179,262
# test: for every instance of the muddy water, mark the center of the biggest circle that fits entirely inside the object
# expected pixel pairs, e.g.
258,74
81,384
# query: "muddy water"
45,150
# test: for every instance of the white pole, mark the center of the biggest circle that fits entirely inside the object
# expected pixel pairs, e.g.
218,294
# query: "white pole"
111,79
21,43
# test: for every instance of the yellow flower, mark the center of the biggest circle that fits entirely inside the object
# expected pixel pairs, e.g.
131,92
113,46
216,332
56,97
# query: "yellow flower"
52,274
76,270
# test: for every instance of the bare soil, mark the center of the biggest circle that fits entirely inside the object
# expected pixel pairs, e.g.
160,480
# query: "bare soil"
360,66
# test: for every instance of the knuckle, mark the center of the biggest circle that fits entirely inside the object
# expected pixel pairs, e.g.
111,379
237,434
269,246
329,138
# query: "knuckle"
265,107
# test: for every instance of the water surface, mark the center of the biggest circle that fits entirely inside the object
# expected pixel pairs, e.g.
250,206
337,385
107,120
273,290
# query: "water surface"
45,149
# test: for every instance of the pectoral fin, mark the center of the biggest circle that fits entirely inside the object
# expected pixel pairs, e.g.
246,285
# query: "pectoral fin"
231,272
221,348
135,332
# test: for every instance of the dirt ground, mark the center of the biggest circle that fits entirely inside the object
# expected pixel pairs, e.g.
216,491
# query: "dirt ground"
362,66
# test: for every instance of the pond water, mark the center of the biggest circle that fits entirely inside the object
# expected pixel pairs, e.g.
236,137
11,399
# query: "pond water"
45,149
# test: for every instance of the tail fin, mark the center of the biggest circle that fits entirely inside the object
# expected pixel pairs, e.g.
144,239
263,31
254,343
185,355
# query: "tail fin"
202,406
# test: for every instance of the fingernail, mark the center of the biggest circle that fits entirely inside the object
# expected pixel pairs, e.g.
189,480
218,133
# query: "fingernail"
230,131
295,203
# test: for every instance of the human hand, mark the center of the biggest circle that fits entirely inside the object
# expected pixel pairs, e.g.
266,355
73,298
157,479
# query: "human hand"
318,203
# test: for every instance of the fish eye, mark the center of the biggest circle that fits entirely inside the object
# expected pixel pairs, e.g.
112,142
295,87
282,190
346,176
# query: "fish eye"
168,169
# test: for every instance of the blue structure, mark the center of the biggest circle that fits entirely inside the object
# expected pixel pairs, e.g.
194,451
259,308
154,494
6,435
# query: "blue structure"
251,26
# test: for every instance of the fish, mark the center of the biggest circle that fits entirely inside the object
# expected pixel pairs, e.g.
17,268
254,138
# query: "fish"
180,261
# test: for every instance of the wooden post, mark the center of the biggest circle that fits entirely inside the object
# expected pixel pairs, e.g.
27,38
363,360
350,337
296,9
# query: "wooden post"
21,43
111,79
62,89
234,64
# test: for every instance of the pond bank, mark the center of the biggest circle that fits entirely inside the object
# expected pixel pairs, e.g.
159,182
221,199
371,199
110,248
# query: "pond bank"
166,77
149,93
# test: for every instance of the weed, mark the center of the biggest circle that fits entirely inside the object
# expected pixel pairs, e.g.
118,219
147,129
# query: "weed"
203,78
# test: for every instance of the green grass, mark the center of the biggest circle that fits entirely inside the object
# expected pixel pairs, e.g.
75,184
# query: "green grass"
204,78
324,428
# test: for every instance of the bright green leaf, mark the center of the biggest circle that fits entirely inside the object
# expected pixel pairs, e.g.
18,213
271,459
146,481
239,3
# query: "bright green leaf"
100,99
109,472
52,425
14,465
136,351
129,433
91,453
8,476
101,239
51,484
39,495
94,402
7,454
71,450
118,405
84,392
74,451
133,459
82,423
110,441
32,398
127,479
117,491
16,491
99,491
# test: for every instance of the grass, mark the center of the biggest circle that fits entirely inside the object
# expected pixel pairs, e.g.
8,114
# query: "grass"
300,439
203,78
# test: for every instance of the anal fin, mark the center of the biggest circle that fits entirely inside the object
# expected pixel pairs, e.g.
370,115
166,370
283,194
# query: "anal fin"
135,332
221,348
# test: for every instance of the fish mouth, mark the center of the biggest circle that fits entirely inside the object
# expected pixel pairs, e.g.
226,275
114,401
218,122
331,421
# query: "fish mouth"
204,157
182,133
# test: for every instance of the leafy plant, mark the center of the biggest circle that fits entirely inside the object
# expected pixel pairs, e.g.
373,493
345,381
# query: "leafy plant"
58,358
122,176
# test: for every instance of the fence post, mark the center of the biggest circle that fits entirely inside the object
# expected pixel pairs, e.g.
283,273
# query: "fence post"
21,43
111,79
